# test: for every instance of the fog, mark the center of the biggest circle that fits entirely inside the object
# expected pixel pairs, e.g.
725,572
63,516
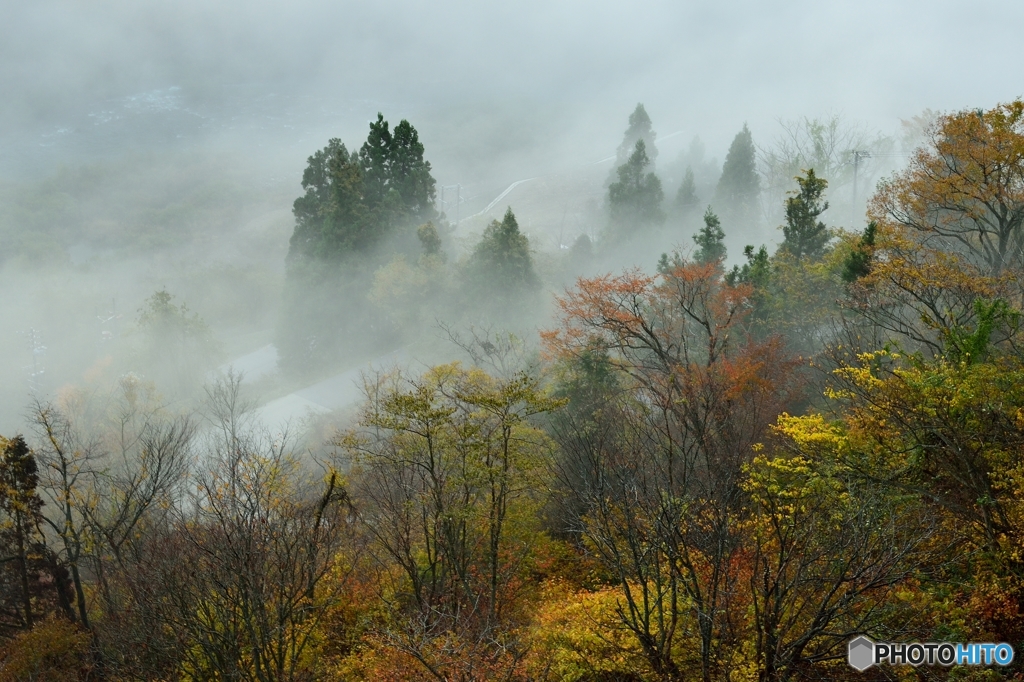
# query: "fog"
159,146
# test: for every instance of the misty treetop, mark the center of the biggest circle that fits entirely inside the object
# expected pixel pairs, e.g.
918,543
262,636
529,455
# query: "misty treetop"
635,199
355,200
500,264
358,209
710,240
738,190
686,197
640,128
805,235
396,176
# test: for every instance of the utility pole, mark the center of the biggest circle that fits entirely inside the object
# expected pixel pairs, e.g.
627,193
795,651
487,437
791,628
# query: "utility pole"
458,201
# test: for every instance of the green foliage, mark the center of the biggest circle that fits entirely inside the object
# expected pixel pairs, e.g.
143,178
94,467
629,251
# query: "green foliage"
667,263
858,262
757,271
739,187
449,463
587,380
397,180
710,240
973,345
686,197
500,265
20,538
805,235
353,201
160,318
354,204
174,343
429,239
332,217
640,128
636,197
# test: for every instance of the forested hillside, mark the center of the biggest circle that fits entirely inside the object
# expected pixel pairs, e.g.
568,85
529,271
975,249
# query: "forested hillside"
693,468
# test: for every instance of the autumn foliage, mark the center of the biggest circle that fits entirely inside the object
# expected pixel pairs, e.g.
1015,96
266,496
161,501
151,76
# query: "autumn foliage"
701,474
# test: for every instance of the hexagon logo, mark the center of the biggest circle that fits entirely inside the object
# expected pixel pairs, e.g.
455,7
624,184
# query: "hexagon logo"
861,653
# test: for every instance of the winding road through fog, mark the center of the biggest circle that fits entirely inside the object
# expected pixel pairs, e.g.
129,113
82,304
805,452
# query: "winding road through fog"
334,393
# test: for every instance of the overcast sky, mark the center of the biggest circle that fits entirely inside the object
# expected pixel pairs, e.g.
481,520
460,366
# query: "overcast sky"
698,66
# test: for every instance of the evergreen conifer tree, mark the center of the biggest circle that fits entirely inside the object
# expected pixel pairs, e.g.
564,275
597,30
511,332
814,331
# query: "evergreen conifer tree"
640,128
736,195
635,199
352,201
858,263
20,507
756,271
686,197
805,235
710,240
500,264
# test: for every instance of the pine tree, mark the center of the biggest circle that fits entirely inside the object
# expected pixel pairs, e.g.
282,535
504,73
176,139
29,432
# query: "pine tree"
686,197
710,240
805,235
332,218
635,199
640,128
500,264
398,184
858,263
756,271
352,201
736,195
20,504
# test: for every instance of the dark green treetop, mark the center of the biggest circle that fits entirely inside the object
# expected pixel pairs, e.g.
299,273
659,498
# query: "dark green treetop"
858,263
637,195
397,177
756,271
686,197
352,201
739,187
805,235
19,477
640,128
710,240
501,262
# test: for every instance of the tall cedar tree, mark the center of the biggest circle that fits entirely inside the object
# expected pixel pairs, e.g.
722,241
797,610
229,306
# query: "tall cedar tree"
755,272
20,505
738,189
636,198
805,235
858,263
640,128
501,264
352,201
710,240
397,179
686,197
